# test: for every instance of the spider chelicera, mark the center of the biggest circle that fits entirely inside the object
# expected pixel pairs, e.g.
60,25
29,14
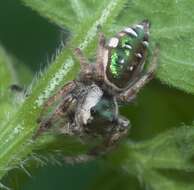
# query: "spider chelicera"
88,105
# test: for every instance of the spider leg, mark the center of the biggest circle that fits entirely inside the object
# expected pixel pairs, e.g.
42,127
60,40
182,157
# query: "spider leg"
121,129
66,89
60,112
63,98
118,129
101,53
86,72
80,56
131,93
101,46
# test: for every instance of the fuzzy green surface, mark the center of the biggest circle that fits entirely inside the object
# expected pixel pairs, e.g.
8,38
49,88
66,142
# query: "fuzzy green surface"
172,28
15,136
164,162
7,76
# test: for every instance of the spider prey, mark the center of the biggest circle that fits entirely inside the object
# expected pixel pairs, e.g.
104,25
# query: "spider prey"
88,106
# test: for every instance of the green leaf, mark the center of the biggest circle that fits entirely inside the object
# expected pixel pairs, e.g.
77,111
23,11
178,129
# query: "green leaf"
111,179
156,181
7,77
171,150
67,13
172,28
158,162
164,162
16,135
7,74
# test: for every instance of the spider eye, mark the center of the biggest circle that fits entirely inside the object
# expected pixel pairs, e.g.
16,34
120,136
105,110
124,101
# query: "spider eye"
127,53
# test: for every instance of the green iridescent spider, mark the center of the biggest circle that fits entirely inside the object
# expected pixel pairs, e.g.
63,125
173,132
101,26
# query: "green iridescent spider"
92,99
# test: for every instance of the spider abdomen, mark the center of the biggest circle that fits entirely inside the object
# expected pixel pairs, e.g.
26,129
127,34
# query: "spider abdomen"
126,55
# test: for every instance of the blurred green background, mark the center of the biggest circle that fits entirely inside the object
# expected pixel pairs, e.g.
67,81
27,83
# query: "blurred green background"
32,41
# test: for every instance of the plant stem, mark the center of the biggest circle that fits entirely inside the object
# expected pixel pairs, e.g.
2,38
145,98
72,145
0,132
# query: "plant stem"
16,136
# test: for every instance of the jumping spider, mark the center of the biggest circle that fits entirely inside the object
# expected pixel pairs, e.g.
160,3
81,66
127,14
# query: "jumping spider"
88,105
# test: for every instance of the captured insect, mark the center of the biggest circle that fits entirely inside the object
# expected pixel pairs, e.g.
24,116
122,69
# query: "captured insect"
87,107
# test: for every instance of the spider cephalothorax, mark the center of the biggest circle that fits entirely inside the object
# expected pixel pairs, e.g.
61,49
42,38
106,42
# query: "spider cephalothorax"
88,106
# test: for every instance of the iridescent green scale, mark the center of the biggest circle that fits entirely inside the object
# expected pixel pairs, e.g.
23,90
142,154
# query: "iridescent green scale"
127,54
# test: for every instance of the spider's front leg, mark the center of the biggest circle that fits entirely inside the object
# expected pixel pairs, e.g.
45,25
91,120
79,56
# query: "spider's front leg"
101,55
90,71
87,69
131,92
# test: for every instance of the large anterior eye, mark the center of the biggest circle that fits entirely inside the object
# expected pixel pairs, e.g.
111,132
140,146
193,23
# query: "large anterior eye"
127,52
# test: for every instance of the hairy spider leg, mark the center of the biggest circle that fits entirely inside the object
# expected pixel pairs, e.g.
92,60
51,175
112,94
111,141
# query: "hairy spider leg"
87,69
65,95
99,71
92,71
131,93
66,89
123,125
47,123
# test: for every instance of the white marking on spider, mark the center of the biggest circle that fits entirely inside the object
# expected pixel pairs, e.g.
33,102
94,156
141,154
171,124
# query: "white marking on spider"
139,55
92,98
139,26
146,43
131,31
113,42
122,61
131,68
128,46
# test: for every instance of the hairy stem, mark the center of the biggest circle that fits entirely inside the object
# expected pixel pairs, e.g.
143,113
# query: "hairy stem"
16,136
